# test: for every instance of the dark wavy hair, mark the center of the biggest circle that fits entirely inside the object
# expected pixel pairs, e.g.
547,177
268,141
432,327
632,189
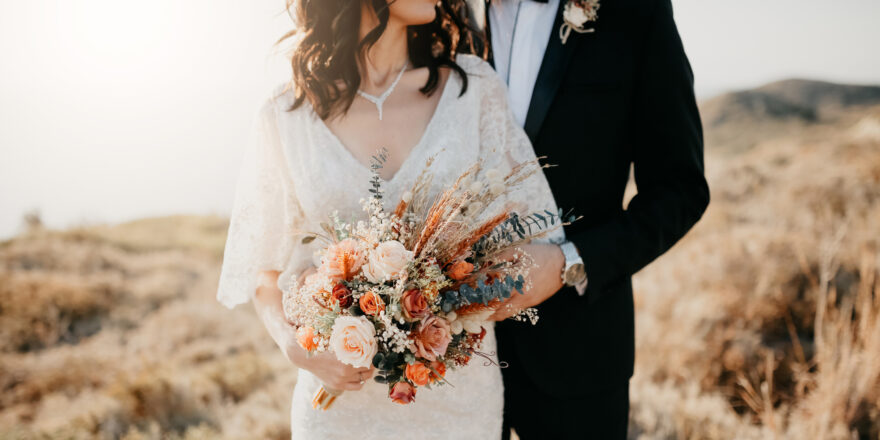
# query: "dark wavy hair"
328,48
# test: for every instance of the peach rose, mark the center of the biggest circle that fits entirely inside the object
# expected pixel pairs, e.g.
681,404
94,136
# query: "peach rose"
460,270
414,304
403,393
341,295
418,374
342,260
432,338
305,337
353,340
371,304
389,259
440,369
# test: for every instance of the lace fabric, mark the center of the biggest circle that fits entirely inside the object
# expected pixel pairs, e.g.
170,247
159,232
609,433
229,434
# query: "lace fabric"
296,174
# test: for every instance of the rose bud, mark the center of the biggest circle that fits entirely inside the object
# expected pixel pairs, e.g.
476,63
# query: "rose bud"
403,393
341,295
459,270
305,337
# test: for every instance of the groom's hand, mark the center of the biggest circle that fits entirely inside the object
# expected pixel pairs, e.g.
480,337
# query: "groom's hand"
544,280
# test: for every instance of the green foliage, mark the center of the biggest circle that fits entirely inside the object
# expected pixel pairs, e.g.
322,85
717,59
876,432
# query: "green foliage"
517,228
482,294
377,161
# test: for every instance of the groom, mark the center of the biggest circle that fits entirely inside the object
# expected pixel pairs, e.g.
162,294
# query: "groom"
596,94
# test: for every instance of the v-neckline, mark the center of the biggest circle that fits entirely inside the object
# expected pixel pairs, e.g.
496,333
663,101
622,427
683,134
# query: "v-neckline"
412,151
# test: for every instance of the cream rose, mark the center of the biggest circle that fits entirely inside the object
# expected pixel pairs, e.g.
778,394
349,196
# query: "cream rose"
353,340
387,260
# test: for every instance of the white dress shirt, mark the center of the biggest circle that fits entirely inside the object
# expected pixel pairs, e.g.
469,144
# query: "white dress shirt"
520,32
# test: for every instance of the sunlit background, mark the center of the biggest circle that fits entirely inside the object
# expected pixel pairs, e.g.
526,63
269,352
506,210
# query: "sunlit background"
118,109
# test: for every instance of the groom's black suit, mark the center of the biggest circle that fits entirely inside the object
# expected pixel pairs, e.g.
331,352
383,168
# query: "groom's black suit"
603,101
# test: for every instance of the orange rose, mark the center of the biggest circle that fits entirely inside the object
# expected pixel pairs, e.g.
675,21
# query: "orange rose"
305,337
439,368
371,304
403,393
418,374
460,270
341,295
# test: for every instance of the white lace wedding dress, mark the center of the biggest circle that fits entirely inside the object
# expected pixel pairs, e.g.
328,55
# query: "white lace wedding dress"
297,173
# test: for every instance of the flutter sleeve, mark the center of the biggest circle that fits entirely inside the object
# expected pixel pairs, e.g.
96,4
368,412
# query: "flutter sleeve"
265,214
504,144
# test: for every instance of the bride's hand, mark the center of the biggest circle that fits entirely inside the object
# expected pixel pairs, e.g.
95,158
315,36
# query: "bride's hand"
334,374
544,279
325,366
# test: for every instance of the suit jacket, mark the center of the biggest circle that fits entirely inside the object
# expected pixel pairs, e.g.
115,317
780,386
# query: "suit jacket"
603,102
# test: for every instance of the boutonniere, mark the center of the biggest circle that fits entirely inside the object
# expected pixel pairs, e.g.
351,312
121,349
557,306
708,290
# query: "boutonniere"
575,15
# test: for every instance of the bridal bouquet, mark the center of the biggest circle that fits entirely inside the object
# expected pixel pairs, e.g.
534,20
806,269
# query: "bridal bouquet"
409,291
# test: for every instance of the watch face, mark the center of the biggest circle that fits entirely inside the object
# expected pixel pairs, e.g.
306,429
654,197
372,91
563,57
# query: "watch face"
575,274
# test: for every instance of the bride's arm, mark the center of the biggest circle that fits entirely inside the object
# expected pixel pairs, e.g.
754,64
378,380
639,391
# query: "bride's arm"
504,144
261,244
331,372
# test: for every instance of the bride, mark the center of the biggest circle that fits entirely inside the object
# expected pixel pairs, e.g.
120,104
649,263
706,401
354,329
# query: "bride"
370,74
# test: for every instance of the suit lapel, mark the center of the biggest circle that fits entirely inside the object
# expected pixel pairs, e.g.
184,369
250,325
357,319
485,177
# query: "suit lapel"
553,68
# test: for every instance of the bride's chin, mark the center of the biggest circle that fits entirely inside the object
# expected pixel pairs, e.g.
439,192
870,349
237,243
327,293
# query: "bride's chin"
413,12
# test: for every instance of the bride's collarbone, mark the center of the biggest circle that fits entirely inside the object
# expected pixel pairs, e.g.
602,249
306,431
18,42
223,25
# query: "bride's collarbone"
402,127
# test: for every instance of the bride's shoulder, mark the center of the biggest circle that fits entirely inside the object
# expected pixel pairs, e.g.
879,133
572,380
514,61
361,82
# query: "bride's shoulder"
279,99
481,76
278,105
473,65
282,96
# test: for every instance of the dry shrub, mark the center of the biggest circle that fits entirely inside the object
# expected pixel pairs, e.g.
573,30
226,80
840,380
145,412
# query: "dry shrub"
838,390
727,322
107,334
42,309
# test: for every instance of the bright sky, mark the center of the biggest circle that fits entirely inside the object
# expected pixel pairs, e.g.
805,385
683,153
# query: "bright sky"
119,109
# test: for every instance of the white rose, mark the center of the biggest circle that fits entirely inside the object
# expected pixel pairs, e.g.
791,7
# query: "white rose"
387,260
575,16
353,341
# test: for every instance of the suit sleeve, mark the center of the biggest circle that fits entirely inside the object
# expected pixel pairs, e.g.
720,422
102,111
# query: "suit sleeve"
668,165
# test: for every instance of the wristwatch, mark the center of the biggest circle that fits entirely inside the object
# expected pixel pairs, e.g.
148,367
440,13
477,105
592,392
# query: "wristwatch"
573,273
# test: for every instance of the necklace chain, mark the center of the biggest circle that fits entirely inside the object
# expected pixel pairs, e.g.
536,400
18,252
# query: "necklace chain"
378,101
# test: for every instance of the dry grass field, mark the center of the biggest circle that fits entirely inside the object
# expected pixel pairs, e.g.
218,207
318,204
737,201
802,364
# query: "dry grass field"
763,323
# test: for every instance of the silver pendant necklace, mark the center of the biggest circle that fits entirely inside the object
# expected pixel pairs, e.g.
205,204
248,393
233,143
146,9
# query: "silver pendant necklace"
378,101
